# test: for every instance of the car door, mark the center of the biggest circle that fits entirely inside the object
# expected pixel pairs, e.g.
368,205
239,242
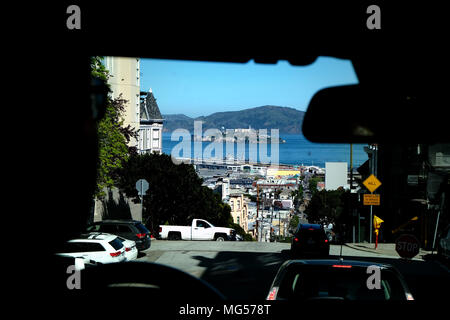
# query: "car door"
73,249
201,230
96,252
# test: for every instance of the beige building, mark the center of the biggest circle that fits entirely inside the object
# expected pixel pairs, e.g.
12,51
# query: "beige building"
125,79
239,210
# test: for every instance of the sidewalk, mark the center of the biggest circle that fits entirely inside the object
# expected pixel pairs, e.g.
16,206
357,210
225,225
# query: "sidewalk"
387,249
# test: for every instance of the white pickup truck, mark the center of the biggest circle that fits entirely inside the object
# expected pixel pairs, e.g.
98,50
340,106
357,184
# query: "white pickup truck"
199,230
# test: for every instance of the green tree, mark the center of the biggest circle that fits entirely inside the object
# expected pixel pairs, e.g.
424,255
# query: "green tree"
297,195
294,223
313,184
175,194
327,203
113,136
240,231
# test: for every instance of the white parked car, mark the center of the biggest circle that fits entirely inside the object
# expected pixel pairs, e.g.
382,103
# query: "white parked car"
95,247
131,252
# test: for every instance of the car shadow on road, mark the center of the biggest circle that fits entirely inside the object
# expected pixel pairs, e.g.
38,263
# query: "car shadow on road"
242,275
249,275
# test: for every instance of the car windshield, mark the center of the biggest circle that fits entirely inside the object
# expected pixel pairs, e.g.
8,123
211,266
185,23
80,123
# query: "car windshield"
142,228
223,142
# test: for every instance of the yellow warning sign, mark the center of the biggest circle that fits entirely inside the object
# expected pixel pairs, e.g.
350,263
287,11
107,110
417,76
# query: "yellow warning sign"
371,199
377,222
372,183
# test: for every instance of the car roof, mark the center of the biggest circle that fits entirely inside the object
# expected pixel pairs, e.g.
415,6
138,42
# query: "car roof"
99,236
332,262
114,221
309,226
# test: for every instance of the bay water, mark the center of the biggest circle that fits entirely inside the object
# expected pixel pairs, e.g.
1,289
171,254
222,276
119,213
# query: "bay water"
297,150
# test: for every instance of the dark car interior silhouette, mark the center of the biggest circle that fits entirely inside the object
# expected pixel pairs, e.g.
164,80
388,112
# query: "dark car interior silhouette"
398,100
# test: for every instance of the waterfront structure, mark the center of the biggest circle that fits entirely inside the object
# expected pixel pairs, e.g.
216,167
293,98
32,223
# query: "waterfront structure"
282,172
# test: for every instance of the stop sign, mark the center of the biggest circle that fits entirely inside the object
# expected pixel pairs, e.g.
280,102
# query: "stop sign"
407,246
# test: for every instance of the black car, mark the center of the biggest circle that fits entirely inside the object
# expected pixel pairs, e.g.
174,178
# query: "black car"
310,239
128,229
443,245
338,280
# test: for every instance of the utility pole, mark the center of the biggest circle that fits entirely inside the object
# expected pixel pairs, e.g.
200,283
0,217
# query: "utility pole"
370,219
351,167
374,172
257,211
352,204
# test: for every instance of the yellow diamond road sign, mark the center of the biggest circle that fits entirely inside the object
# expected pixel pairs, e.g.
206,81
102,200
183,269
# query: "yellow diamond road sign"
372,183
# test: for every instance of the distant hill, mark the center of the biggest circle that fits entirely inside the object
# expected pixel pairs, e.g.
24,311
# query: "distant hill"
287,120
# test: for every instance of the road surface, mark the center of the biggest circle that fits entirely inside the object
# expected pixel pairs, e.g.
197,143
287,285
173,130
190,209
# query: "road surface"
245,270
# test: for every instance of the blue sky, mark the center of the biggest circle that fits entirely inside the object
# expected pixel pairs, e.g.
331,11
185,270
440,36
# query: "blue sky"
202,88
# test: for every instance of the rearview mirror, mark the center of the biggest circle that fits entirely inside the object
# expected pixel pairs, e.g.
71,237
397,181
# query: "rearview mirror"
358,114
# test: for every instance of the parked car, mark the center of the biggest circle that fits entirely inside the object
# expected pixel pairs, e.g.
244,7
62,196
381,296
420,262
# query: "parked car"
131,252
443,246
331,236
128,229
95,248
198,230
307,280
310,239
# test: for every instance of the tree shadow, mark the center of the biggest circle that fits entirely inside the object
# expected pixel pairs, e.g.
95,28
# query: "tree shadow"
249,275
113,209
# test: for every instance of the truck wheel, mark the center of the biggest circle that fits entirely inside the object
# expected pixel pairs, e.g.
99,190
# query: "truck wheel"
219,237
174,236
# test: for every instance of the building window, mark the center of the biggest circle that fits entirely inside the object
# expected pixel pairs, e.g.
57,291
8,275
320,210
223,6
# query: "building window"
141,139
138,109
148,138
239,204
155,141
109,64
137,72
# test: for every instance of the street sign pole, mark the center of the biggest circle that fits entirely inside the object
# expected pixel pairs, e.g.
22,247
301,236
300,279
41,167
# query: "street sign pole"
142,187
371,183
370,228
142,201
